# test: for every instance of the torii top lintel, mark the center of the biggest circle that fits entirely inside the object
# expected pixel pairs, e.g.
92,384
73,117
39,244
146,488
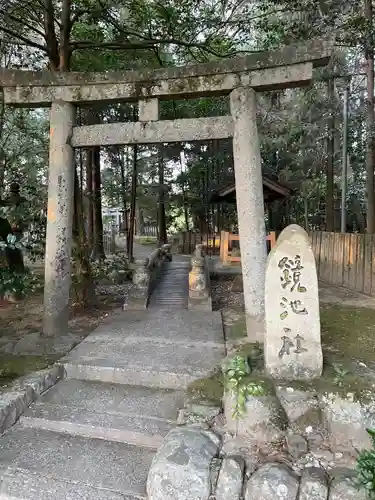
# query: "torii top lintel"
289,67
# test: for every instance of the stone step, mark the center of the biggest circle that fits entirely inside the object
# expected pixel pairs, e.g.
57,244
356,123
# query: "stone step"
166,349
35,464
127,414
20,484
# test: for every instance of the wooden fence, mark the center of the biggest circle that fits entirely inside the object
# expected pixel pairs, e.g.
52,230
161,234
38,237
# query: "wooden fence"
188,240
226,246
346,259
342,259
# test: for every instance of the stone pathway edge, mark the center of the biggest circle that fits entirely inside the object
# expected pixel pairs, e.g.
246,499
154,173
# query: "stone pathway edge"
24,391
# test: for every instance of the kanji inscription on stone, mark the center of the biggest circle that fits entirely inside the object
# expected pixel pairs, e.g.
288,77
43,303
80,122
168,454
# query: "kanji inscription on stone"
292,340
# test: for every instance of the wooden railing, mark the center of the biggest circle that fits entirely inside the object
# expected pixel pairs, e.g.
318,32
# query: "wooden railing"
226,247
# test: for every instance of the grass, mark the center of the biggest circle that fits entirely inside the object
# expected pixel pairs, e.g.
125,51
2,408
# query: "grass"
350,331
14,366
207,390
147,240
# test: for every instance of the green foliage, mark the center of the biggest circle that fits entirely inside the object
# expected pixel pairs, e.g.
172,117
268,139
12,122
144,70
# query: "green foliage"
339,374
115,270
236,372
18,284
366,468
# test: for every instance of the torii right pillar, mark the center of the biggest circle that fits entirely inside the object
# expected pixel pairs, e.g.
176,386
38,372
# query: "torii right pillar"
250,208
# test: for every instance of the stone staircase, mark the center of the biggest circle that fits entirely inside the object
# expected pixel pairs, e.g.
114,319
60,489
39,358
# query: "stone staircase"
94,434
172,288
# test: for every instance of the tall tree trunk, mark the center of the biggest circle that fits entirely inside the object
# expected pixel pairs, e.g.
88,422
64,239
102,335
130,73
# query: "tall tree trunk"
330,158
124,189
163,238
89,200
132,204
370,122
98,249
83,290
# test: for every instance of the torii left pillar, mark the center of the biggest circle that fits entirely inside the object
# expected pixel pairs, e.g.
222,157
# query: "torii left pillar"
59,219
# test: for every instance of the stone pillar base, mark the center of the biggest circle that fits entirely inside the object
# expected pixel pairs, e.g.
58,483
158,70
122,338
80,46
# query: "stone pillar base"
255,328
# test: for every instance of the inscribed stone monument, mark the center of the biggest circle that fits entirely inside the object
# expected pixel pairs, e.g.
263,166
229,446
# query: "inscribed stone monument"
292,342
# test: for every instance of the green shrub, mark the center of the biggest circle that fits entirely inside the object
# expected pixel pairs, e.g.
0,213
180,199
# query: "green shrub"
366,468
236,380
17,284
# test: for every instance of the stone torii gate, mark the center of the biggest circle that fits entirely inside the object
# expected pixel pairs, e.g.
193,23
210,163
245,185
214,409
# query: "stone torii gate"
239,77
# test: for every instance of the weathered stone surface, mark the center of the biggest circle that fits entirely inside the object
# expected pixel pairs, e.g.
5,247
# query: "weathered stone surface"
181,468
264,419
151,132
74,459
347,420
59,220
193,413
292,345
289,66
316,51
314,485
297,445
272,481
25,485
296,403
148,110
343,486
184,347
199,282
229,485
127,414
250,207
23,392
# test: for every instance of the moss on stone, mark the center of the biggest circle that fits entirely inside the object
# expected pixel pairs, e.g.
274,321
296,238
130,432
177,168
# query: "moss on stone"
253,352
207,390
238,329
13,366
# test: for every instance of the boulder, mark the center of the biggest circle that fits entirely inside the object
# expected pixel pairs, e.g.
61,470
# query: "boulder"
296,403
347,420
272,481
181,468
343,486
314,485
297,445
229,485
263,420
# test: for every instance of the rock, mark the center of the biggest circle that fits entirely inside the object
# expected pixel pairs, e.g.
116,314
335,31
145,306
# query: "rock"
239,446
314,485
292,343
297,446
263,420
237,285
194,413
347,421
180,469
229,485
272,481
343,487
215,467
296,403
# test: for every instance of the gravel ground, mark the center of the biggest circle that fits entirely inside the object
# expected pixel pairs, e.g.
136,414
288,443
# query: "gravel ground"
222,295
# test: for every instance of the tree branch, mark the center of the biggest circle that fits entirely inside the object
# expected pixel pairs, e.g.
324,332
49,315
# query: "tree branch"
28,42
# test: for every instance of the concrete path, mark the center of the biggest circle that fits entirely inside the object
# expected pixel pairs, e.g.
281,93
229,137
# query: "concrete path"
94,434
